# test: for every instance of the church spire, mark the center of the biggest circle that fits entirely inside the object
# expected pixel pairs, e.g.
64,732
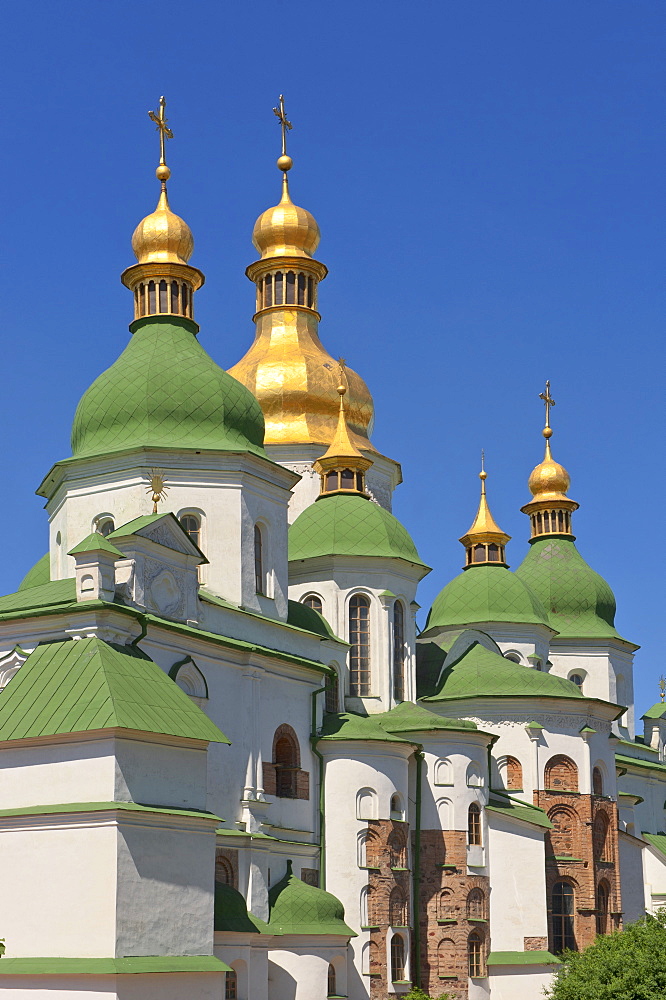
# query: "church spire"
163,282
550,509
484,542
342,468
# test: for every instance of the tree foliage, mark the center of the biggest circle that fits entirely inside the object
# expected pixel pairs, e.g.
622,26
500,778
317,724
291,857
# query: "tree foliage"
418,994
626,965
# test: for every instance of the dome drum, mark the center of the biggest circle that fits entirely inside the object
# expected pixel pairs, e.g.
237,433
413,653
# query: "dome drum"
550,517
163,289
282,281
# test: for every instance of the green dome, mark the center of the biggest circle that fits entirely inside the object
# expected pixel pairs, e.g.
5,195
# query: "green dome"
349,526
579,602
164,391
231,913
480,673
298,908
38,575
486,594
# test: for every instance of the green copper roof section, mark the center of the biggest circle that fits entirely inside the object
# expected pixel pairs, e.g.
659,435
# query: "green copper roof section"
41,596
231,912
410,718
301,616
165,391
38,575
134,528
341,525
96,543
657,840
522,958
298,908
479,673
147,965
578,601
486,594
348,726
657,711
86,684
508,805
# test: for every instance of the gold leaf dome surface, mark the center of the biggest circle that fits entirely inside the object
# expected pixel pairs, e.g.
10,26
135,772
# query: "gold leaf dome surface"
549,479
286,229
163,237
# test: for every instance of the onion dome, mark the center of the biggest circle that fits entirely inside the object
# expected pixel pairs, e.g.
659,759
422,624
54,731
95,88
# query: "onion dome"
299,908
163,236
231,912
38,575
484,541
350,526
286,230
550,509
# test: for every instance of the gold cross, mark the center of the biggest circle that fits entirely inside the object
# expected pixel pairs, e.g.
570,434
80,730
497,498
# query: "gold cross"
284,122
161,125
548,401
662,687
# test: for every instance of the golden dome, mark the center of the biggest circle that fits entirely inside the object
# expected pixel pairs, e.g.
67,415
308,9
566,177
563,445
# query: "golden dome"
162,237
286,230
549,480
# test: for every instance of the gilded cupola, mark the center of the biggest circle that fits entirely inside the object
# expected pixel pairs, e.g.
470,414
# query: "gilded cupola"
162,281
287,368
342,467
484,542
550,509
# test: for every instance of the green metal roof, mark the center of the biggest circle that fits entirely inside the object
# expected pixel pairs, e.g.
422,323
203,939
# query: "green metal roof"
166,391
96,543
348,726
658,711
301,616
486,594
522,958
657,840
111,966
231,912
410,718
86,684
38,575
44,595
579,602
298,908
341,525
514,808
480,673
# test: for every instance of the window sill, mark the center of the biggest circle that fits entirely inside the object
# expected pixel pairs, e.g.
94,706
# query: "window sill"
448,977
370,868
448,920
370,927
477,920
400,927
452,868
399,869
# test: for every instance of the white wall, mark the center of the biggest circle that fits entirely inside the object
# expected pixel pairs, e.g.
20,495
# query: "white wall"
516,983
517,883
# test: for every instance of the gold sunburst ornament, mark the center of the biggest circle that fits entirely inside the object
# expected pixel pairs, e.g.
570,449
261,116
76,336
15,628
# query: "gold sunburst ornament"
157,488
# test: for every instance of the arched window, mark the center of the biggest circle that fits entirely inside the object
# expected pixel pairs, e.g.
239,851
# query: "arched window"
562,909
562,836
366,804
474,825
577,679
443,772
597,782
231,985
475,956
396,808
513,774
514,657
398,854
152,300
397,908
192,525
398,651
476,905
105,525
258,560
600,837
446,905
561,774
397,959
474,776
331,991
369,849
602,908
224,871
286,760
313,601
359,638
446,957
331,696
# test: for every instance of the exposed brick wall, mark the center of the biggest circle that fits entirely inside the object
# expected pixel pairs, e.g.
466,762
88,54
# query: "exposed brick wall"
586,833
226,866
443,912
535,944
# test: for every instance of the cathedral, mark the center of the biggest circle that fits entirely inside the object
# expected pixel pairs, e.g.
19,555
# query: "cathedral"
233,768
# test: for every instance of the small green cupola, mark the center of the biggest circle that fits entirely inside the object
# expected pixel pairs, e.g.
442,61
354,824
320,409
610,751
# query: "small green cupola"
298,908
165,391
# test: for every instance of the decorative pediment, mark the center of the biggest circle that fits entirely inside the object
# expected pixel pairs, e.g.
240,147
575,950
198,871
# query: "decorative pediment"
162,529
189,679
11,664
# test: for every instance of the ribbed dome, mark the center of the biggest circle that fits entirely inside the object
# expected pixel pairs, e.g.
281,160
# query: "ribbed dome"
486,594
341,525
163,236
578,601
298,908
286,230
166,391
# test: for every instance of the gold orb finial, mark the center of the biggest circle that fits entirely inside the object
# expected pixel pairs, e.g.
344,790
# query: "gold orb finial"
284,163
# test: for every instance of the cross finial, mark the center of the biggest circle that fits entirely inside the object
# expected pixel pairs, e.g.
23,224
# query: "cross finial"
157,489
662,687
342,369
483,475
548,401
286,125
161,126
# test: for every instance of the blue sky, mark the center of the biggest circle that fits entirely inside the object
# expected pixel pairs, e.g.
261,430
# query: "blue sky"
488,179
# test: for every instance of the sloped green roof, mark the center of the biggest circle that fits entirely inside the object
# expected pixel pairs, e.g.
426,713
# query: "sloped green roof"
134,528
481,673
658,711
486,594
232,914
301,616
348,726
578,601
349,526
86,684
38,575
298,908
410,718
41,596
657,840
522,958
96,542
166,391
515,808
